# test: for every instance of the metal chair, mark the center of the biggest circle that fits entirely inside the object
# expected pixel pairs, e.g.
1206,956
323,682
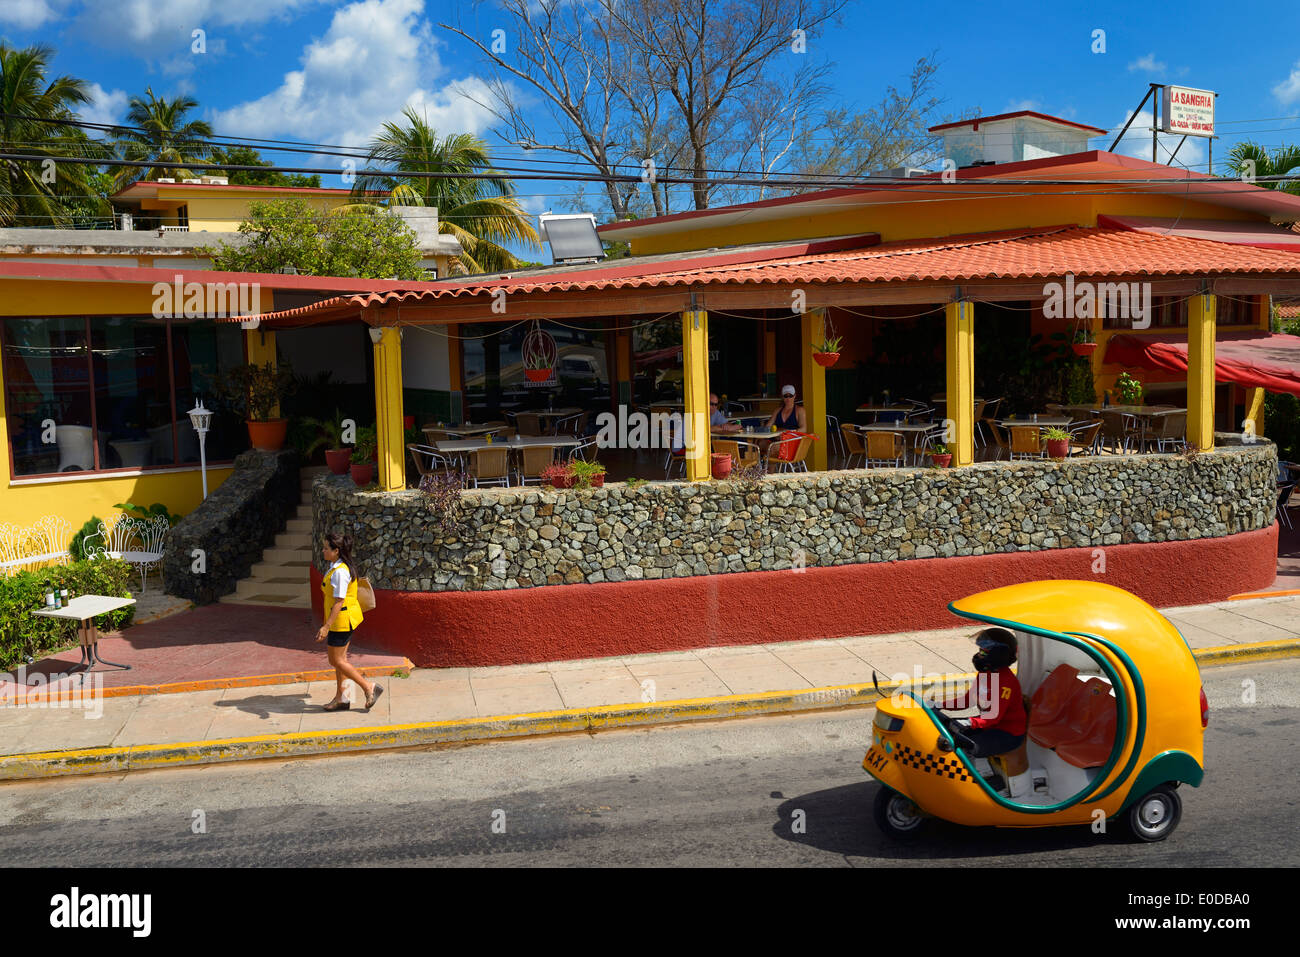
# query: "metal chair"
796,463
834,436
533,461
490,466
1026,442
1084,437
429,461
854,445
884,449
928,440
528,423
1283,501
136,541
1172,432
580,451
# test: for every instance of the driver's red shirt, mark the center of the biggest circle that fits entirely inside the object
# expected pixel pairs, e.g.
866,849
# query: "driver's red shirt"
1006,710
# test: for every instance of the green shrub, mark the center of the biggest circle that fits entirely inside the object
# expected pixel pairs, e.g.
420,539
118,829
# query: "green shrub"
78,541
23,634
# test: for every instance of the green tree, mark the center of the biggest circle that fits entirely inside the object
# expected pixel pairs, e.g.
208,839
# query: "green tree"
481,213
288,232
157,131
247,156
36,192
1251,159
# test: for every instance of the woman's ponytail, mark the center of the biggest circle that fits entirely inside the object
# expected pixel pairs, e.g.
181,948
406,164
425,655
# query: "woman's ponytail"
343,543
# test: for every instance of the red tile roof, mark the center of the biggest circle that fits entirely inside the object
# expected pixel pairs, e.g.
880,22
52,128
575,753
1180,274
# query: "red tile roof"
1041,253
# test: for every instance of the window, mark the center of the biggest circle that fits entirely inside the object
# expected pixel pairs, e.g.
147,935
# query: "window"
113,392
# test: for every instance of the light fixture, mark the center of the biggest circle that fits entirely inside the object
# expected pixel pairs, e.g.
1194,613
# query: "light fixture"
201,419
249,324
376,334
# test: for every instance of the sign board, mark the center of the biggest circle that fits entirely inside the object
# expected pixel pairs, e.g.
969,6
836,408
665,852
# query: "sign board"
1187,111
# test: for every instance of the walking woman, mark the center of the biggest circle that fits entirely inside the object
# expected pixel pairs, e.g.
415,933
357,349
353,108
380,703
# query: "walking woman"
342,615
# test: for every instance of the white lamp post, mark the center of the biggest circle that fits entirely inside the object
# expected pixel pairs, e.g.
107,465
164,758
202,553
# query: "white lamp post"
200,418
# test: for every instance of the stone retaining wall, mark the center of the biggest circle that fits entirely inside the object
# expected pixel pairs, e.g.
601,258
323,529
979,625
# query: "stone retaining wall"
232,525
520,538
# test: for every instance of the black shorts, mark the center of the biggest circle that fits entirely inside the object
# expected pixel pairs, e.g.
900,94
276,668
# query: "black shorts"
980,742
339,639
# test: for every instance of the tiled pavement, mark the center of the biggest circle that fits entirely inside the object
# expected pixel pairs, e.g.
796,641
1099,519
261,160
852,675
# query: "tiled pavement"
458,693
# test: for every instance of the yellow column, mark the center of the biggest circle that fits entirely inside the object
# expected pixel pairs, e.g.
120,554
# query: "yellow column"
812,327
1254,423
5,436
260,346
959,346
391,453
1200,372
695,382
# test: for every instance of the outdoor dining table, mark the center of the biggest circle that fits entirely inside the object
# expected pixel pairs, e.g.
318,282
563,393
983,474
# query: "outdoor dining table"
84,609
463,429
1043,421
553,413
515,442
1140,410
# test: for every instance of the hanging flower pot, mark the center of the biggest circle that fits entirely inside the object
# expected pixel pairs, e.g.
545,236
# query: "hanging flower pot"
826,359
338,460
538,375
721,465
1084,348
539,353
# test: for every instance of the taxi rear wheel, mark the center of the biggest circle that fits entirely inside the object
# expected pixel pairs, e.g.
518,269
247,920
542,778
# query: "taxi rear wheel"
898,816
1154,816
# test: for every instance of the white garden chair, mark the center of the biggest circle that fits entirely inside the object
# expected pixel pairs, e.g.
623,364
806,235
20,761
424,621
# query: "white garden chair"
136,541
29,548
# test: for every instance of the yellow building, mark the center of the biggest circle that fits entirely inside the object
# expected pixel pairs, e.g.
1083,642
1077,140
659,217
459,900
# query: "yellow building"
211,203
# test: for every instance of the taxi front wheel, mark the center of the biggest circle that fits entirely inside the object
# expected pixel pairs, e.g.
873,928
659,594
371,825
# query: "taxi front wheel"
897,816
1154,816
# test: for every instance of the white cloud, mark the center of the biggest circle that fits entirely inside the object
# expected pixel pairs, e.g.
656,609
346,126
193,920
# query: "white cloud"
1017,105
151,27
1288,91
1137,143
104,106
1148,64
376,58
29,14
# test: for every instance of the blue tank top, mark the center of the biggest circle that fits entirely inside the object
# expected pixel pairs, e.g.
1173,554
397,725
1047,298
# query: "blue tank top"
790,423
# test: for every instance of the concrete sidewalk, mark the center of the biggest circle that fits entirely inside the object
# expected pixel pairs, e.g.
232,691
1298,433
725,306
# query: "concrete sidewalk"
459,704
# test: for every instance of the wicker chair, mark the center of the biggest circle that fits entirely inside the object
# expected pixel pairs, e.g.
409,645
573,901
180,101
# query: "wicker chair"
533,461
854,444
1026,442
883,449
490,466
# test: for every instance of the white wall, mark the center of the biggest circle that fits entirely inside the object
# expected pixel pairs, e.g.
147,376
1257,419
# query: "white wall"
424,358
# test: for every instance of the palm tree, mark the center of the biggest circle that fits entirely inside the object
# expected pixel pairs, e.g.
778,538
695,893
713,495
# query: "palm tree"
481,213
158,132
1282,161
35,192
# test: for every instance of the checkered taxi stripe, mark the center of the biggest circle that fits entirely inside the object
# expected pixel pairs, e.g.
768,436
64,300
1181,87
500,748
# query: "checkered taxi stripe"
931,764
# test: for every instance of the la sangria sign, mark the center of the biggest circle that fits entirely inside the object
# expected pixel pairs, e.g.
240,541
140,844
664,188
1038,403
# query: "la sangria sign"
1187,111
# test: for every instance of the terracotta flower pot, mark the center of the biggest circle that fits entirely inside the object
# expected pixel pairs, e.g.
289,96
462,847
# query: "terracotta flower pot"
1058,448
268,436
721,465
363,474
338,460
943,461
1084,348
538,375
826,359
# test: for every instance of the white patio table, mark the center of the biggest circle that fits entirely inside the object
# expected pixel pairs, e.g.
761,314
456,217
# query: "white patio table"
84,609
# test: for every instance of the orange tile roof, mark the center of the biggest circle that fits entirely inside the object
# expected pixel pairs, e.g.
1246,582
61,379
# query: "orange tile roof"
1039,253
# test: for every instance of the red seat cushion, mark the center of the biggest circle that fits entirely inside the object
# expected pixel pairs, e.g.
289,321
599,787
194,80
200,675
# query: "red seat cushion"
1091,748
1051,702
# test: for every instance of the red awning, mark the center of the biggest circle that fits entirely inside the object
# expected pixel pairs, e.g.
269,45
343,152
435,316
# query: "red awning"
1254,359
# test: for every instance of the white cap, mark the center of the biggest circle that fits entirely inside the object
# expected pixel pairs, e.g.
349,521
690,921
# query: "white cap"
787,390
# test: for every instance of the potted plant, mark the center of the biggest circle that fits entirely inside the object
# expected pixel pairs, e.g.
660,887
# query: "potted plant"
721,465
1057,442
253,391
363,452
1128,389
560,476
587,474
941,456
827,353
330,435
538,367
1084,343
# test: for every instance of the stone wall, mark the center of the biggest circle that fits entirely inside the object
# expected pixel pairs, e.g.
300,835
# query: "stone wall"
232,525
520,538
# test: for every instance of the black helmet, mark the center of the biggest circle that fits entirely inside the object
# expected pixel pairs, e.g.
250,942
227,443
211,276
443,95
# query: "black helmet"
998,649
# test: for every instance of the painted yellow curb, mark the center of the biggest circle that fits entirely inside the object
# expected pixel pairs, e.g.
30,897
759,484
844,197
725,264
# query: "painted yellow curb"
49,764
1244,596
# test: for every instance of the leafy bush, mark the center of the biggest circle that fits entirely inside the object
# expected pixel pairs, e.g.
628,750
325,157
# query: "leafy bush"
442,498
24,635
1282,424
153,511
77,546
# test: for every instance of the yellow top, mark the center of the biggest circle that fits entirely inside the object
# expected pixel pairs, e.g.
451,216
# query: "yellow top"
350,614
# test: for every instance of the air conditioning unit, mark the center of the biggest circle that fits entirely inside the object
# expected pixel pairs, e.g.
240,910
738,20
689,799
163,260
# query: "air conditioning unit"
215,180
189,181
165,179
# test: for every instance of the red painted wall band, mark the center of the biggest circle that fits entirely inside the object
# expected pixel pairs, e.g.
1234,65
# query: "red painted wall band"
556,622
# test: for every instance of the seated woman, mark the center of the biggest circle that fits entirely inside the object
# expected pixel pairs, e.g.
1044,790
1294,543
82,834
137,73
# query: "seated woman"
789,416
1001,724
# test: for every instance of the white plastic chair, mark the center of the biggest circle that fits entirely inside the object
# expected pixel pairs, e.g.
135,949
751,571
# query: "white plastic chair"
76,449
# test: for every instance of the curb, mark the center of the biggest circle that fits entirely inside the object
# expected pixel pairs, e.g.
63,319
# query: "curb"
207,684
1246,596
54,764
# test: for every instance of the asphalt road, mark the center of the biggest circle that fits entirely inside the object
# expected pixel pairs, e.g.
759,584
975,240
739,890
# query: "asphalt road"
725,793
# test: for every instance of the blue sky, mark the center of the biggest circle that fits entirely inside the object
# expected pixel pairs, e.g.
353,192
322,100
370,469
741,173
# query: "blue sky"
332,70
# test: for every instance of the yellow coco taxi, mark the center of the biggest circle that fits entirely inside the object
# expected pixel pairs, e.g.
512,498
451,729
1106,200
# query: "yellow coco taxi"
1117,717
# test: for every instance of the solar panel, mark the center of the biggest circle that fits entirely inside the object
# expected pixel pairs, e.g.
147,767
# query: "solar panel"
572,238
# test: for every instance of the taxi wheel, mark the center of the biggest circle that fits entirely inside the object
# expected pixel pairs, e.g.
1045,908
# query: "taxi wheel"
897,816
1154,816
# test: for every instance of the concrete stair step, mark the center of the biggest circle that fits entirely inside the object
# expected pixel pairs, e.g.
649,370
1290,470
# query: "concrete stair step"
271,591
293,540
282,556
274,571
298,525
302,602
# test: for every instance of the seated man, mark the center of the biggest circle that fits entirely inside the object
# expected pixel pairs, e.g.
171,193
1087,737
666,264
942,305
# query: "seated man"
1001,724
718,419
